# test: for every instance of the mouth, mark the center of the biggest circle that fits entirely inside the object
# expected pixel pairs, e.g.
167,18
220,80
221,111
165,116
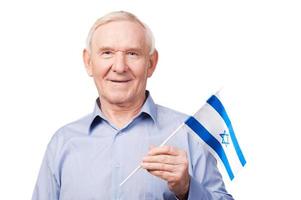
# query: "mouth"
120,81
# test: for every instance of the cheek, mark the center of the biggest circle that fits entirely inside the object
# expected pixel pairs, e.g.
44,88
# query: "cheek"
100,68
141,69
141,74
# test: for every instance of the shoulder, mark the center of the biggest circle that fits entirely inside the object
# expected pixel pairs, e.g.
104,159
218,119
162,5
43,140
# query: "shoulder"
163,111
74,129
187,140
169,117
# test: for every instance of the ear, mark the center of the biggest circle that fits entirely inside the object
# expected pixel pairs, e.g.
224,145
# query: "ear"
87,62
153,63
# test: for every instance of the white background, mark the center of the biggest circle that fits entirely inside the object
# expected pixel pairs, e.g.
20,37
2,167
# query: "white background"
250,48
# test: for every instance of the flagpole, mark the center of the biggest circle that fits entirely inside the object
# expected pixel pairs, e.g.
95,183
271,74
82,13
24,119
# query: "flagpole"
162,144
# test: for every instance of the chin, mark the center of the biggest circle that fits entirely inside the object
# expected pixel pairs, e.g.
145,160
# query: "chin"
119,98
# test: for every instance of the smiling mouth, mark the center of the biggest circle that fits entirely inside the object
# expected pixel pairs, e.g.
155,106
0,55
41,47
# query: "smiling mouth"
120,81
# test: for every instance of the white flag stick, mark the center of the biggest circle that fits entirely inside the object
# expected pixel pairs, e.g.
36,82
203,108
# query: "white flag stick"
162,144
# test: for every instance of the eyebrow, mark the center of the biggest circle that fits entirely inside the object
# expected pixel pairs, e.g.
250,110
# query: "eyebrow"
105,48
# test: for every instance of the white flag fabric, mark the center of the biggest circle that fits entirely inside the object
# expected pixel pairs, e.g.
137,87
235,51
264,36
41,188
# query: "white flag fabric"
212,125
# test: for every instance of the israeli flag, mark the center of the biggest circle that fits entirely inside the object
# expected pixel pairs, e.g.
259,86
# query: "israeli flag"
212,125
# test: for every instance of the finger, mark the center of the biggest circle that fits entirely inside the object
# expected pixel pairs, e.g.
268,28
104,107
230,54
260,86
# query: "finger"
165,159
158,167
166,175
167,150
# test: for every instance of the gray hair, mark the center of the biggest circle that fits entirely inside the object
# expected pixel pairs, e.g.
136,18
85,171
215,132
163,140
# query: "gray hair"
120,16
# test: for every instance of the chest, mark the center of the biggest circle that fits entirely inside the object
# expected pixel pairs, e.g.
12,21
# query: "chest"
93,168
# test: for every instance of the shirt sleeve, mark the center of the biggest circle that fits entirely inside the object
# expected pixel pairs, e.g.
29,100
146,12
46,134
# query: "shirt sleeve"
47,187
206,182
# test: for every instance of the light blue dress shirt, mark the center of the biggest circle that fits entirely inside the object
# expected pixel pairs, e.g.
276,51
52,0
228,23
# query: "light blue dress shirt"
89,158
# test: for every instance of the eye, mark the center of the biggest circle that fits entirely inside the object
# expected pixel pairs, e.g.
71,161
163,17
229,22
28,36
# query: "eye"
133,54
106,54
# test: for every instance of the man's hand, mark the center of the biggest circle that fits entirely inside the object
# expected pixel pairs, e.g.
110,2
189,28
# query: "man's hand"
170,164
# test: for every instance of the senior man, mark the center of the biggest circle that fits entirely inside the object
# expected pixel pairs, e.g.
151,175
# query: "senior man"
89,158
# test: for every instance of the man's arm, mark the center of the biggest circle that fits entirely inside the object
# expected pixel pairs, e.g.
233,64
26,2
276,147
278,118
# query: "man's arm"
206,182
47,187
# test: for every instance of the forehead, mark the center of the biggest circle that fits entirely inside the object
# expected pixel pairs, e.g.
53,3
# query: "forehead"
120,35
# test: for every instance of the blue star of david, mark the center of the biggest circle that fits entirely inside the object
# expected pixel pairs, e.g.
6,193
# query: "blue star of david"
225,138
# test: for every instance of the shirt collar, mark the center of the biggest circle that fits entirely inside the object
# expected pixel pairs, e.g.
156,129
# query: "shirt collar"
149,108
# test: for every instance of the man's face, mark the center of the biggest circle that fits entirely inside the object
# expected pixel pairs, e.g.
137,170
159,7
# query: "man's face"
119,62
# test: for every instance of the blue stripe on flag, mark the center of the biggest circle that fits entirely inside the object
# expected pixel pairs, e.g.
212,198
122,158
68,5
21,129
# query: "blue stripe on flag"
202,132
218,106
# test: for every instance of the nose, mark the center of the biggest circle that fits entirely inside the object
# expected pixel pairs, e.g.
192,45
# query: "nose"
119,65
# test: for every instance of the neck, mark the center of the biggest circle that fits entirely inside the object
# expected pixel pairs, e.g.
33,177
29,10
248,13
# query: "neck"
121,114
